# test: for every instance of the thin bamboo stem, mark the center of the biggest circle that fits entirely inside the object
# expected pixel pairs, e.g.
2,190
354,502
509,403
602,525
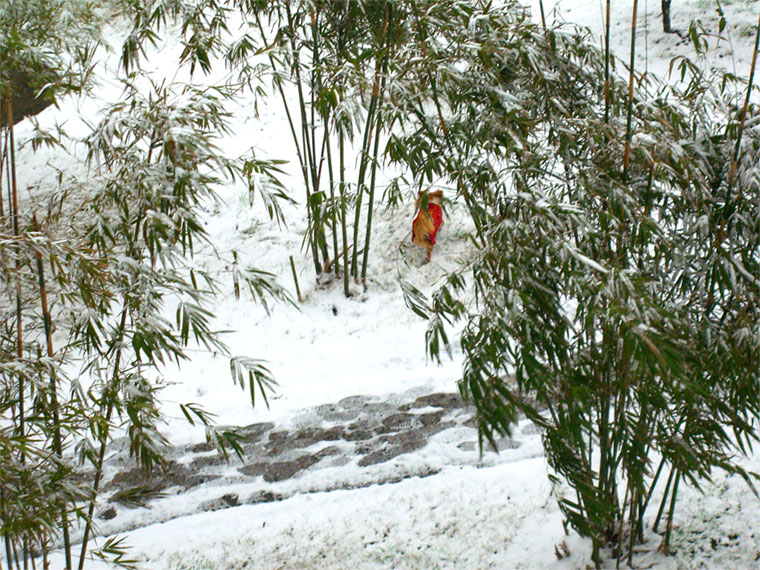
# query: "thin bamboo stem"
8,549
370,210
652,487
631,77
369,125
331,179
15,555
607,91
7,540
57,439
674,497
373,175
308,152
543,15
342,174
664,500
743,117
14,206
109,395
302,160
4,161
295,279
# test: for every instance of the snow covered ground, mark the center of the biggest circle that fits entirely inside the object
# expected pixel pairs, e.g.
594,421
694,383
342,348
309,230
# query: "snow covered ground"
498,512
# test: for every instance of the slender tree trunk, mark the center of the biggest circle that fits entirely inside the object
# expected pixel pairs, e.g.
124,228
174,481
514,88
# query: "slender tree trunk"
342,182
14,212
4,166
631,77
360,178
331,179
726,221
669,530
109,396
543,15
607,91
666,17
373,176
57,439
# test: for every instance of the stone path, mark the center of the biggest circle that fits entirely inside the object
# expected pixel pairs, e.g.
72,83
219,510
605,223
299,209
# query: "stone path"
356,442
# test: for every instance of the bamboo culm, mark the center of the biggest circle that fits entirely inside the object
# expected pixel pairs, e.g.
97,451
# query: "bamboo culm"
57,439
631,77
109,395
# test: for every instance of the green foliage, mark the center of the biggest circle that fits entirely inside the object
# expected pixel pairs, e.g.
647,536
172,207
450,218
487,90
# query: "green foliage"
35,36
615,306
329,64
88,297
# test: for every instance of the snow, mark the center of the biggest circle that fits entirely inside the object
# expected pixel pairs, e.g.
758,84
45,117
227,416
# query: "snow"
494,512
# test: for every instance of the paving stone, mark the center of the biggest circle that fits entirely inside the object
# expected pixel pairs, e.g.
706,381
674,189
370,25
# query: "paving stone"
395,445
279,470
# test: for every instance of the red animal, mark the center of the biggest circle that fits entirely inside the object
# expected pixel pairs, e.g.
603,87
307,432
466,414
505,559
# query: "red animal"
428,221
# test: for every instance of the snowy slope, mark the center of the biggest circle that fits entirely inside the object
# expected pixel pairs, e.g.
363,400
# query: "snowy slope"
497,513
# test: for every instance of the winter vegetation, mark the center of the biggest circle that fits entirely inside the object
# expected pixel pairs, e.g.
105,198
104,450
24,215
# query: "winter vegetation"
597,294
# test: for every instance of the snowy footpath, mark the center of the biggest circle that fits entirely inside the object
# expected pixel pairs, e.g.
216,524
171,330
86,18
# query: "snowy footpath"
394,481
357,475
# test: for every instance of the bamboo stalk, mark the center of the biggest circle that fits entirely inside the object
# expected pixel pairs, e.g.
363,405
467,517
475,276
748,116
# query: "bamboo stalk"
375,153
543,16
331,180
620,518
3,162
373,120
607,65
57,440
109,395
664,500
674,497
342,190
743,117
8,551
342,171
631,76
8,547
665,6
308,152
295,279
370,211
15,555
315,164
371,125
368,127
14,212
632,528
302,160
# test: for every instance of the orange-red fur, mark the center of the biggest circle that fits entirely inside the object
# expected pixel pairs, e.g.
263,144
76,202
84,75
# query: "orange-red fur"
424,227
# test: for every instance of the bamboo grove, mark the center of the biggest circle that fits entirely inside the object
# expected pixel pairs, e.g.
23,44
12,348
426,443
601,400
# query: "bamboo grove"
612,298
89,270
617,281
